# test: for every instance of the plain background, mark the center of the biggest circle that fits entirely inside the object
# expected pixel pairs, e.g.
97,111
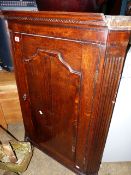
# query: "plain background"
118,145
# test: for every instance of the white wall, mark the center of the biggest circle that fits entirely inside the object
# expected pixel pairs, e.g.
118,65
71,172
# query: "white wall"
118,145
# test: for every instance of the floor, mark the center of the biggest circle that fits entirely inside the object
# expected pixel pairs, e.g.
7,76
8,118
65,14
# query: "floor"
10,111
41,164
7,77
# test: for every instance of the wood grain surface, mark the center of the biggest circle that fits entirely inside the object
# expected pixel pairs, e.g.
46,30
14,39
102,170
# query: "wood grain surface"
68,68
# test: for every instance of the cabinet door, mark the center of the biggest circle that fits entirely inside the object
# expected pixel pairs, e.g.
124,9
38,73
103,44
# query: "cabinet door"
53,78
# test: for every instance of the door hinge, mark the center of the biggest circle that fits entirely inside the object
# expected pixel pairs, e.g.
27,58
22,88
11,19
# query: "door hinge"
73,149
24,97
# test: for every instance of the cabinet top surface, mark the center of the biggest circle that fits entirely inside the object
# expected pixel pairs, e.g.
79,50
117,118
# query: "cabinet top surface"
70,18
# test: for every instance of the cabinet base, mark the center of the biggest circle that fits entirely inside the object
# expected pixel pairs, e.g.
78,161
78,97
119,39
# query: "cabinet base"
69,165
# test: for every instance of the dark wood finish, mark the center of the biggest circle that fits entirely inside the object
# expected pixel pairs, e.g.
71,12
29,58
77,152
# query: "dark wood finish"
70,5
68,67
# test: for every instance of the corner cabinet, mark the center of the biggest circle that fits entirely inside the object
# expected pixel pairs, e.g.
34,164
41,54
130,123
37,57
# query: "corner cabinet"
68,67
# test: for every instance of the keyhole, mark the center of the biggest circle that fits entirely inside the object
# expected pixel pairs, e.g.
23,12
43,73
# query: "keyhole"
24,97
40,112
17,39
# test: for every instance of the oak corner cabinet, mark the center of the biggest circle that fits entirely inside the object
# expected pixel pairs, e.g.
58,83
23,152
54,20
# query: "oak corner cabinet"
68,67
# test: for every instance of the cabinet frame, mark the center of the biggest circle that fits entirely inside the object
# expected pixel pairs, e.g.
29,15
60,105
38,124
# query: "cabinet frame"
106,39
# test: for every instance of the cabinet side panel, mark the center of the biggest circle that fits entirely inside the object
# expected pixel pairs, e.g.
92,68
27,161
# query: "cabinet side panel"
105,97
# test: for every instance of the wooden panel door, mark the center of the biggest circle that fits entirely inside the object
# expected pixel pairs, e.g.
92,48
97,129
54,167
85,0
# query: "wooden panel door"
53,82
58,79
